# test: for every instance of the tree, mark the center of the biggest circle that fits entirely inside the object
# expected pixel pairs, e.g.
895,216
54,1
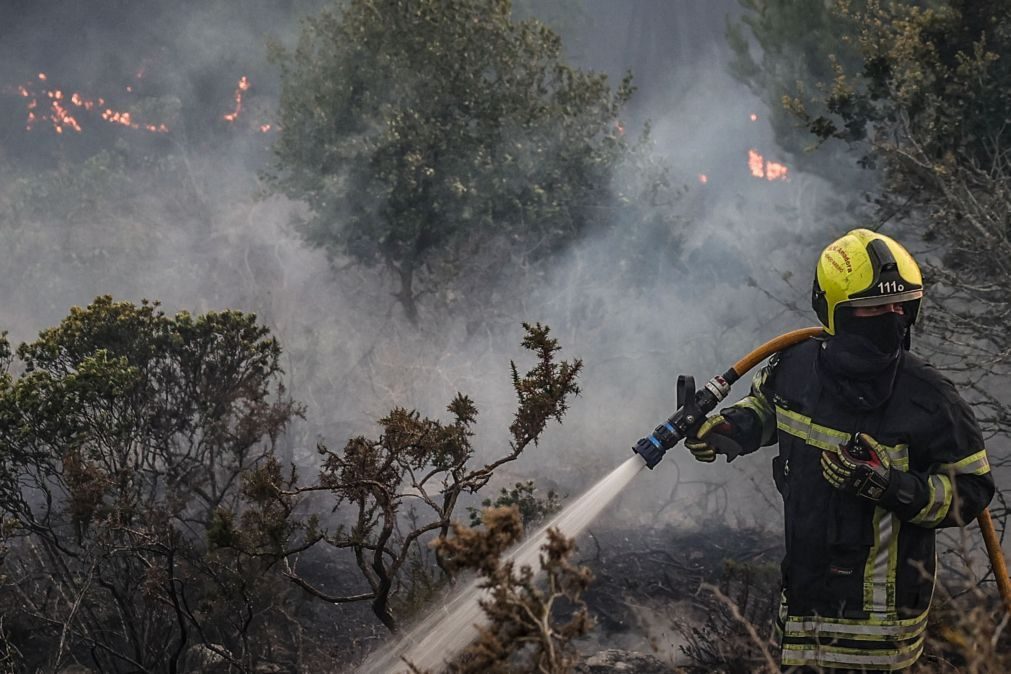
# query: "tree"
799,41
401,490
927,104
420,131
930,106
124,435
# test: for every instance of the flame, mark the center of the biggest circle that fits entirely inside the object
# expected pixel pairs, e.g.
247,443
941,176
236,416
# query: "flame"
703,178
59,107
240,89
61,118
125,119
775,171
756,164
769,170
754,117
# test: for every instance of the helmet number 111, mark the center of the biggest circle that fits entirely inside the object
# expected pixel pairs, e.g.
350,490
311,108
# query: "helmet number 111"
890,287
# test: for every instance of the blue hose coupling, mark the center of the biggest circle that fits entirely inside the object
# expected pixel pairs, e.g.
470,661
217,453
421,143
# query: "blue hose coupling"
651,451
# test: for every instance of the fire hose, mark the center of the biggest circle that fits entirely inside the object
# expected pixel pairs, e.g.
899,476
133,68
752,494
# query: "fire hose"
692,407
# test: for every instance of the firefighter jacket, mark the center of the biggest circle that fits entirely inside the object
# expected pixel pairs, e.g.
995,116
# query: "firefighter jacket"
858,576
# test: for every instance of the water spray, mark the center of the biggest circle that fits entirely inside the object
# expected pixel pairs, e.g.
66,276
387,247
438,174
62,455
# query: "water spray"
442,635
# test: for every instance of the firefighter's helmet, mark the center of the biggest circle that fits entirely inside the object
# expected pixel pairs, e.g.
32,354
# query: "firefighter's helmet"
865,269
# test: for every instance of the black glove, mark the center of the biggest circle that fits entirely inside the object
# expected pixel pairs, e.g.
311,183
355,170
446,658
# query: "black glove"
860,467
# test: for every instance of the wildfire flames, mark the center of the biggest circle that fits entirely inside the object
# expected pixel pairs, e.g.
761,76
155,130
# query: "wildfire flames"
47,104
58,111
241,88
760,167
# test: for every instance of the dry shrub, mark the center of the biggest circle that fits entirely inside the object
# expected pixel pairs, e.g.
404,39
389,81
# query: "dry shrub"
736,636
531,622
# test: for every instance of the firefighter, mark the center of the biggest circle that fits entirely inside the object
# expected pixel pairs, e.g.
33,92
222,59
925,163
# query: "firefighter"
877,450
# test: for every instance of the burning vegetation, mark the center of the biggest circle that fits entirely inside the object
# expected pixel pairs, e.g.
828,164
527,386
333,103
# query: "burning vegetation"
54,108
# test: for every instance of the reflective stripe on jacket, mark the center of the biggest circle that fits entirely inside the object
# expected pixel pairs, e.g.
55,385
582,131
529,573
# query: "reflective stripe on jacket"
858,576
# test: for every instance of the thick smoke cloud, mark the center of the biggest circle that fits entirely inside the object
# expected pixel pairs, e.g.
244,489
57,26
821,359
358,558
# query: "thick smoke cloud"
190,227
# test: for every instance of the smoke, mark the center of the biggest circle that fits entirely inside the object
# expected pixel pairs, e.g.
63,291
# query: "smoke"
184,223
183,219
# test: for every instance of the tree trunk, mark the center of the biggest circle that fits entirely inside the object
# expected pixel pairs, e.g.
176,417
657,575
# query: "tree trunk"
406,295
380,606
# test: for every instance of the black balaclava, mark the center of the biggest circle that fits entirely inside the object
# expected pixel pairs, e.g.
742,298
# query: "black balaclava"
860,361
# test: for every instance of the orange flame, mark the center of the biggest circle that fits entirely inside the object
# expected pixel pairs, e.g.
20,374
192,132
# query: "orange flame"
240,89
61,118
769,170
775,171
58,112
754,117
703,178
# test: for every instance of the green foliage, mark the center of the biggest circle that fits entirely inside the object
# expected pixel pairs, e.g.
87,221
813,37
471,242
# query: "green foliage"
522,495
938,74
929,105
417,130
121,445
799,41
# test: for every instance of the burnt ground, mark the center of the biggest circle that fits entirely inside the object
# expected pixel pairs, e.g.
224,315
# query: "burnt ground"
655,591
648,597
664,600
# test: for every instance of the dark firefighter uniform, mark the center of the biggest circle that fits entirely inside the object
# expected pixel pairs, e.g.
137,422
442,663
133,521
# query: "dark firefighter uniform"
859,570
858,576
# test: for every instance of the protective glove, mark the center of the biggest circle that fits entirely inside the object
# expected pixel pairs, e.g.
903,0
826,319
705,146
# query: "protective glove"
860,467
702,450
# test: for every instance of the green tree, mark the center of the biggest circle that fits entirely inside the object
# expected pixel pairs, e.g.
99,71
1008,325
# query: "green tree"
927,102
124,435
420,131
798,43
929,106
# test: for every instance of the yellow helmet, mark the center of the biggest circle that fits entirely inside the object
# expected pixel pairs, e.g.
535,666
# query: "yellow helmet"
865,269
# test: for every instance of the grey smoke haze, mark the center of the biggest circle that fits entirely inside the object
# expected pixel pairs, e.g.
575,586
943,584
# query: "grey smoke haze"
205,241
211,244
